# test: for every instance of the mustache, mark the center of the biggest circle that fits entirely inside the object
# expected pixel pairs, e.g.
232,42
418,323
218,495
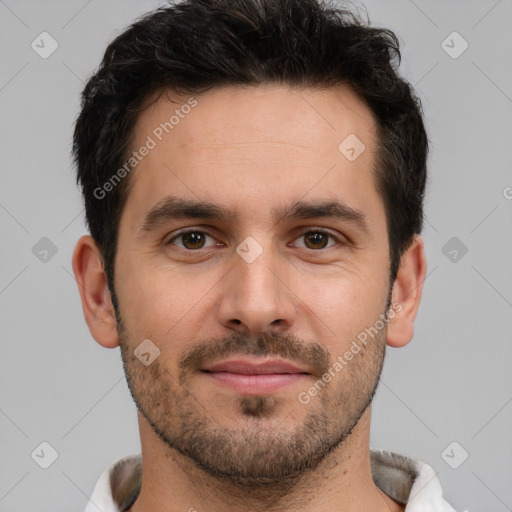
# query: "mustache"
285,345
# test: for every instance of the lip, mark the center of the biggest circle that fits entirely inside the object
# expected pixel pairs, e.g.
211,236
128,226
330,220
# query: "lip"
255,377
255,366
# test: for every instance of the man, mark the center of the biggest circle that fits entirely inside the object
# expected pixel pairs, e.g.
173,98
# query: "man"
253,174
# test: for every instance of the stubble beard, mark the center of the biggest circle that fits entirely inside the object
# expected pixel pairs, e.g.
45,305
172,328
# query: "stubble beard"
261,451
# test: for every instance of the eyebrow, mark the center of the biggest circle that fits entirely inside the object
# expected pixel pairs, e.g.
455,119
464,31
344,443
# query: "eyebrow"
312,210
172,207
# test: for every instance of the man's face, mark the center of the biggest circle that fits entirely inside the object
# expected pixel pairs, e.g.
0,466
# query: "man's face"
222,295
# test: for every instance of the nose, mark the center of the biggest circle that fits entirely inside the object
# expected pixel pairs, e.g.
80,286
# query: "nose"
255,297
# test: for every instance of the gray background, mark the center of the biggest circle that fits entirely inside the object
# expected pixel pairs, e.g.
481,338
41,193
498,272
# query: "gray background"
452,383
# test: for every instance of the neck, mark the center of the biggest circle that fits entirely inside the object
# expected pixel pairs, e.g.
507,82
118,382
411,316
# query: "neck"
341,483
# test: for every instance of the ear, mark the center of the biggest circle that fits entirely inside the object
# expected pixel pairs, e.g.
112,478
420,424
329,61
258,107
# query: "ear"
406,294
92,285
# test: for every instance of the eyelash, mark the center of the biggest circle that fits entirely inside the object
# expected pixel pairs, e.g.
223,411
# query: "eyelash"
310,230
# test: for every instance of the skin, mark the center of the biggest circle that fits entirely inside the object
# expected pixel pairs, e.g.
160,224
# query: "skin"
250,150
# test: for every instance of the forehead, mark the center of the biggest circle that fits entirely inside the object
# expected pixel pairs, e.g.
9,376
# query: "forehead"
248,145
237,114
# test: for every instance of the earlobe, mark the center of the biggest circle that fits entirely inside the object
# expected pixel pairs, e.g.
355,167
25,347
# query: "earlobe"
406,294
94,293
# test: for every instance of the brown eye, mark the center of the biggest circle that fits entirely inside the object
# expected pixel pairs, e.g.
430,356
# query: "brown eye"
191,240
316,239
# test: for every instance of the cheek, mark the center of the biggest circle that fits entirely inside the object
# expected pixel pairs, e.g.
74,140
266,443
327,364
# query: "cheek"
161,302
342,309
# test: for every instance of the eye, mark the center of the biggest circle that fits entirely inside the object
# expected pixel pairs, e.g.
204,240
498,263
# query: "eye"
317,239
191,240
194,240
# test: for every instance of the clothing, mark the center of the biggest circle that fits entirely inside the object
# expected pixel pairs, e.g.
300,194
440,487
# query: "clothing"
406,480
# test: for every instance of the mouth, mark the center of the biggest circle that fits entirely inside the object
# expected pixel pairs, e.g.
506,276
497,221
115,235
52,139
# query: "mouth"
255,376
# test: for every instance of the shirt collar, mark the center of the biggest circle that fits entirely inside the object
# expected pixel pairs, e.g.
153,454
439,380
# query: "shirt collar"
406,480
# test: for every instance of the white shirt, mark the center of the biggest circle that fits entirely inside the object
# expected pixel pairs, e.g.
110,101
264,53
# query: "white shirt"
406,480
